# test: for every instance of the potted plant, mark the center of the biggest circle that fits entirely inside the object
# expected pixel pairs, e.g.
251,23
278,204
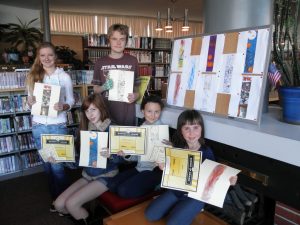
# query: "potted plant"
67,56
21,36
286,57
13,55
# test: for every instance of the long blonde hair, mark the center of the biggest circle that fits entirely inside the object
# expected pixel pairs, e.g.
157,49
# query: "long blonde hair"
37,72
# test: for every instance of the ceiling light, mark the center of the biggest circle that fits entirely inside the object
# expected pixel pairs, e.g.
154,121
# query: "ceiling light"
158,24
170,19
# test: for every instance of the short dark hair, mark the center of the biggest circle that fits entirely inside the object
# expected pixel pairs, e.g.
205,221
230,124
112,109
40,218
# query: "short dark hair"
188,117
153,99
123,29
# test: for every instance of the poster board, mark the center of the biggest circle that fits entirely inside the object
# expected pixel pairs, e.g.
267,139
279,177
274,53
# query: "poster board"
122,85
91,145
222,74
46,96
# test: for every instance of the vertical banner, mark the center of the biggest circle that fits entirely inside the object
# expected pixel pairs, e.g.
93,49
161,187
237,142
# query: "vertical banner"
211,53
250,53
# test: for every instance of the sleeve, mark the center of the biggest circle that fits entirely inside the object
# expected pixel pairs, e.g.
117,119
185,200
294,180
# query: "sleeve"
97,74
209,154
131,158
117,159
69,91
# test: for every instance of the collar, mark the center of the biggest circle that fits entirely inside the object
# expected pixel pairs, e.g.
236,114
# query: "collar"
100,126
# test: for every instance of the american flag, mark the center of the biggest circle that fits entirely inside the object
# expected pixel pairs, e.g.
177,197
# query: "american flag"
273,74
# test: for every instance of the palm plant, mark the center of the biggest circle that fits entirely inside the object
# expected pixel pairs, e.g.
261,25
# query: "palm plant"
3,30
285,47
22,35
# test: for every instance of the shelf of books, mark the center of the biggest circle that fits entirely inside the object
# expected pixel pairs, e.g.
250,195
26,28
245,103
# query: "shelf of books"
18,155
17,148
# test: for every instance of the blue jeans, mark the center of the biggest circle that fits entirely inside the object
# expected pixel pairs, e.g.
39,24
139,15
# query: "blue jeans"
133,184
57,179
179,208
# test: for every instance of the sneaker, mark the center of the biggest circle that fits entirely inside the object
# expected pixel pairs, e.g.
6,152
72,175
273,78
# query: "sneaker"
52,209
64,214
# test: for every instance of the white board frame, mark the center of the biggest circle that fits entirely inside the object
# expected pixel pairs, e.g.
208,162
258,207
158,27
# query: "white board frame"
265,65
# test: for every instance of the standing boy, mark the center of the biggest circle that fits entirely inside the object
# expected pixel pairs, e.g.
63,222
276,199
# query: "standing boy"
121,113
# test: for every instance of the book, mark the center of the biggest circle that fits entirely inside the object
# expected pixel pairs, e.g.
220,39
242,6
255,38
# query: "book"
182,167
91,145
155,148
131,140
213,182
144,81
46,96
77,97
122,85
63,145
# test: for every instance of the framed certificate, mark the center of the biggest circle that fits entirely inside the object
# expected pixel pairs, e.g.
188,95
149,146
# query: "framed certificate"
182,167
131,140
62,144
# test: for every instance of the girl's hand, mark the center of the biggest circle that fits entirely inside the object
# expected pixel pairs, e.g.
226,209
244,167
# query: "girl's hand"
121,153
161,166
105,152
166,142
31,100
233,180
51,160
59,106
132,97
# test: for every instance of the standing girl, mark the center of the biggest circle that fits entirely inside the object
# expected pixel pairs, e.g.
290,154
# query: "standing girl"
176,204
94,117
142,179
44,71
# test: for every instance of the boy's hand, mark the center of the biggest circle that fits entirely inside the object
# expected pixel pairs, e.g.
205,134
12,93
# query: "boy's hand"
233,180
132,97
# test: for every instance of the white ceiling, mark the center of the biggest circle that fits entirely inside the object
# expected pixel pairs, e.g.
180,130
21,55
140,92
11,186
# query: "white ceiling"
146,8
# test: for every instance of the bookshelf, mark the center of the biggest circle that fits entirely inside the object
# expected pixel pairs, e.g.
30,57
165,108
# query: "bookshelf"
18,155
17,148
153,55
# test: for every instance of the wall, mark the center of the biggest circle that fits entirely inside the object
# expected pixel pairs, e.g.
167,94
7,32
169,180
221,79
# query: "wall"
73,42
11,14
220,15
